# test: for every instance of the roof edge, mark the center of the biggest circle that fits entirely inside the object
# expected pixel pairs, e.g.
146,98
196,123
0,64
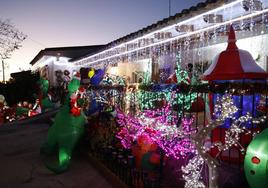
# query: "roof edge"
46,51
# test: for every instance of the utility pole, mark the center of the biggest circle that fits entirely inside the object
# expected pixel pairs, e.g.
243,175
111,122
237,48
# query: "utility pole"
169,8
3,68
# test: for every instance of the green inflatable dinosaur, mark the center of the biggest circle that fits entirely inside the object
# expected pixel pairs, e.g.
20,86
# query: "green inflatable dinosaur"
67,128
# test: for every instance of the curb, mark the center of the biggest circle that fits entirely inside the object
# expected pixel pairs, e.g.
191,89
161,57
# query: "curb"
36,118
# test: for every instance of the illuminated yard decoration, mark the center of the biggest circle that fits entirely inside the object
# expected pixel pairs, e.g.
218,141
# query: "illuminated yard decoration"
182,76
110,79
107,94
147,99
67,129
161,126
129,129
255,163
227,109
179,142
192,173
173,140
234,66
44,97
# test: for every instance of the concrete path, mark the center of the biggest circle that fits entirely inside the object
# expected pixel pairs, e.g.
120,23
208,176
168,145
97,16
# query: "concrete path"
21,165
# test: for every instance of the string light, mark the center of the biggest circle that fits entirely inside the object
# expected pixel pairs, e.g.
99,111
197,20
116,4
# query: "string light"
224,109
192,173
160,126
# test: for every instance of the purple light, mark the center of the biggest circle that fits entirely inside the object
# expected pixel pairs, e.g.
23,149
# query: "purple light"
160,126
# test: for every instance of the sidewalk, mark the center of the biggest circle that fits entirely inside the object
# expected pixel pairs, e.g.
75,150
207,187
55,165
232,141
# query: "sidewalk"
21,165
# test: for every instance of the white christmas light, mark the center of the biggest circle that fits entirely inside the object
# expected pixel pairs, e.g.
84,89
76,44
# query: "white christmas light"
224,109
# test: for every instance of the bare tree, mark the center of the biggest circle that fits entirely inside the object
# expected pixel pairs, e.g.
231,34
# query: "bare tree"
10,40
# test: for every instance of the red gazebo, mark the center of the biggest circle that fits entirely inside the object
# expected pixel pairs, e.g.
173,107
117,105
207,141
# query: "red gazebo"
234,65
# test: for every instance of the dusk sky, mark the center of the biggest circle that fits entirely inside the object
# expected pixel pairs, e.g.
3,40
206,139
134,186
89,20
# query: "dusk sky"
57,23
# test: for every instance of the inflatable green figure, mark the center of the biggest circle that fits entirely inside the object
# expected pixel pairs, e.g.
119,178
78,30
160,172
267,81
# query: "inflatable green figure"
45,101
256,161
67,128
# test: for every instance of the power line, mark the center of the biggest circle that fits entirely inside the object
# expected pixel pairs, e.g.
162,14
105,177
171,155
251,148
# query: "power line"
39,43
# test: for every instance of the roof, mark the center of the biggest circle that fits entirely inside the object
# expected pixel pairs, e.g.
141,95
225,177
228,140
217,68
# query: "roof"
17,75
184,14
71,52
234,64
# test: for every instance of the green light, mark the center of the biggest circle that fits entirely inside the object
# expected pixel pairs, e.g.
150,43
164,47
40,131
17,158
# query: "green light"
64,157
257,173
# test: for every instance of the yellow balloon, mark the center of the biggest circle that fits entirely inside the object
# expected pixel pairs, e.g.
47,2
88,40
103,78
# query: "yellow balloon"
91,73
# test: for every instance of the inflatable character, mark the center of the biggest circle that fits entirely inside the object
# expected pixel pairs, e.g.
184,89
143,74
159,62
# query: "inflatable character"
2,109
145,153
36,109
93,77
256,161
46,102
67,128
22,110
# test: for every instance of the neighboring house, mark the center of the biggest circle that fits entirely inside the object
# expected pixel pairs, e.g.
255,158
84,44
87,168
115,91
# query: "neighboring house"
55,65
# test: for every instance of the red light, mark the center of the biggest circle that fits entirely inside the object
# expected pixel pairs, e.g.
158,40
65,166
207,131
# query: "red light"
255,160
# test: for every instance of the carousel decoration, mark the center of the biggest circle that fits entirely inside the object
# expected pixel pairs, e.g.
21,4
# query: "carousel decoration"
236,66
232,66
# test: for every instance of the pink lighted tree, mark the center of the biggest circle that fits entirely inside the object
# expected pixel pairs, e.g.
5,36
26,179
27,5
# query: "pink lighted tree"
161,127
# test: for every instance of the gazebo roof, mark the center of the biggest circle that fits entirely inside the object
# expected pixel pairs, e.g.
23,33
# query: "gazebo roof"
234,64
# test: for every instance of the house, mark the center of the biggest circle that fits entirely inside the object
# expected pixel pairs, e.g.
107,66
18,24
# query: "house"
190,39
54,63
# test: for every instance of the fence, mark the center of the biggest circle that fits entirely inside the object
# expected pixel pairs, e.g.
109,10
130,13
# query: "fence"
185,101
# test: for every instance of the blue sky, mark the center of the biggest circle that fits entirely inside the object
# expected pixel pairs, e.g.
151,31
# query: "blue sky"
55,23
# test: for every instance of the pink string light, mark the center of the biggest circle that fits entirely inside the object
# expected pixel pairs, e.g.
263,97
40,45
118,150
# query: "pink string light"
161,127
